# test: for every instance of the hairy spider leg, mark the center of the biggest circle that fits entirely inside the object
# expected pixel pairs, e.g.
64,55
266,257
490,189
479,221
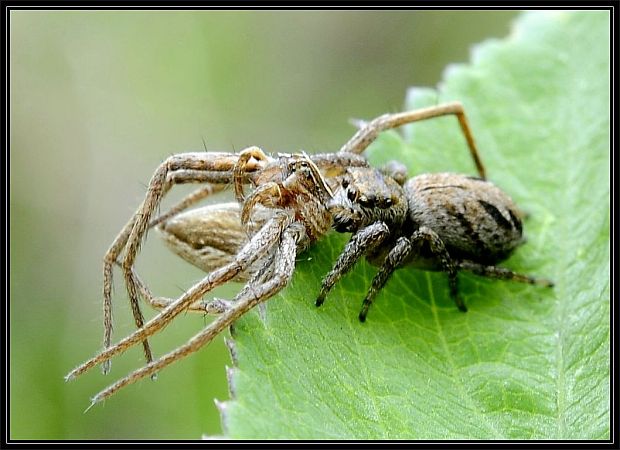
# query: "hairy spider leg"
177,169
256,248
245,300
241,168
405,248
191,199
362,242
501,273
162,302
210,307
410,247
371,130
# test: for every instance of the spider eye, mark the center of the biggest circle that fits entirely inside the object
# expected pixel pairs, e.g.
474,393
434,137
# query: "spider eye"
352,195
388,202
345,183
367,201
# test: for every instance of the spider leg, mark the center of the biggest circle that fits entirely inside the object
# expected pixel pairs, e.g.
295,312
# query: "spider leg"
240,168
109,259
393,260
188,201
210,307
335,164
262,195
260,277
255,249
182,168
369,131
284,267
405,248
360,243
162,302
501,273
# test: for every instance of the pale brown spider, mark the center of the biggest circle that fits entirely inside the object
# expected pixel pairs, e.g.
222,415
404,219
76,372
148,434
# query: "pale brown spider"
297,190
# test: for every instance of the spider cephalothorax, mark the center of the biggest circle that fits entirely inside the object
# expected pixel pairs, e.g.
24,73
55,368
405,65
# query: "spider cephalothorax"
366,196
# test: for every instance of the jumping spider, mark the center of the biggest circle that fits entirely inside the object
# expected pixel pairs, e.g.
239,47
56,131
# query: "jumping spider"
445,222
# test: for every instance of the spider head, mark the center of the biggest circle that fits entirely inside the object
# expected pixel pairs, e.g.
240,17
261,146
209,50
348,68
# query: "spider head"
364,196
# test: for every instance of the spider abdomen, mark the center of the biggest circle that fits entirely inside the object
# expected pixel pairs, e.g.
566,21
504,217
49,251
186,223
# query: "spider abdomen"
474,218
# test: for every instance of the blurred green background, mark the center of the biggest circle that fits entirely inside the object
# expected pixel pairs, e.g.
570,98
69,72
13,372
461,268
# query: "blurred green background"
98,100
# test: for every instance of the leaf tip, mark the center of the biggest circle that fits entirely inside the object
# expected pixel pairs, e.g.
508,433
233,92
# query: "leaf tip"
222,407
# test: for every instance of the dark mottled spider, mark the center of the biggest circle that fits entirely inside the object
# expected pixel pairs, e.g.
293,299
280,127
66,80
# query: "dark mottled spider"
452,222
295,201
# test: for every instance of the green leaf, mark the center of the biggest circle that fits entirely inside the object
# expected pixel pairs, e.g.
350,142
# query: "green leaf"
525,362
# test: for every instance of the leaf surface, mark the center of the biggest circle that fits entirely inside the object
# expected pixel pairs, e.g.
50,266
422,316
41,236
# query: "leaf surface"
525,362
